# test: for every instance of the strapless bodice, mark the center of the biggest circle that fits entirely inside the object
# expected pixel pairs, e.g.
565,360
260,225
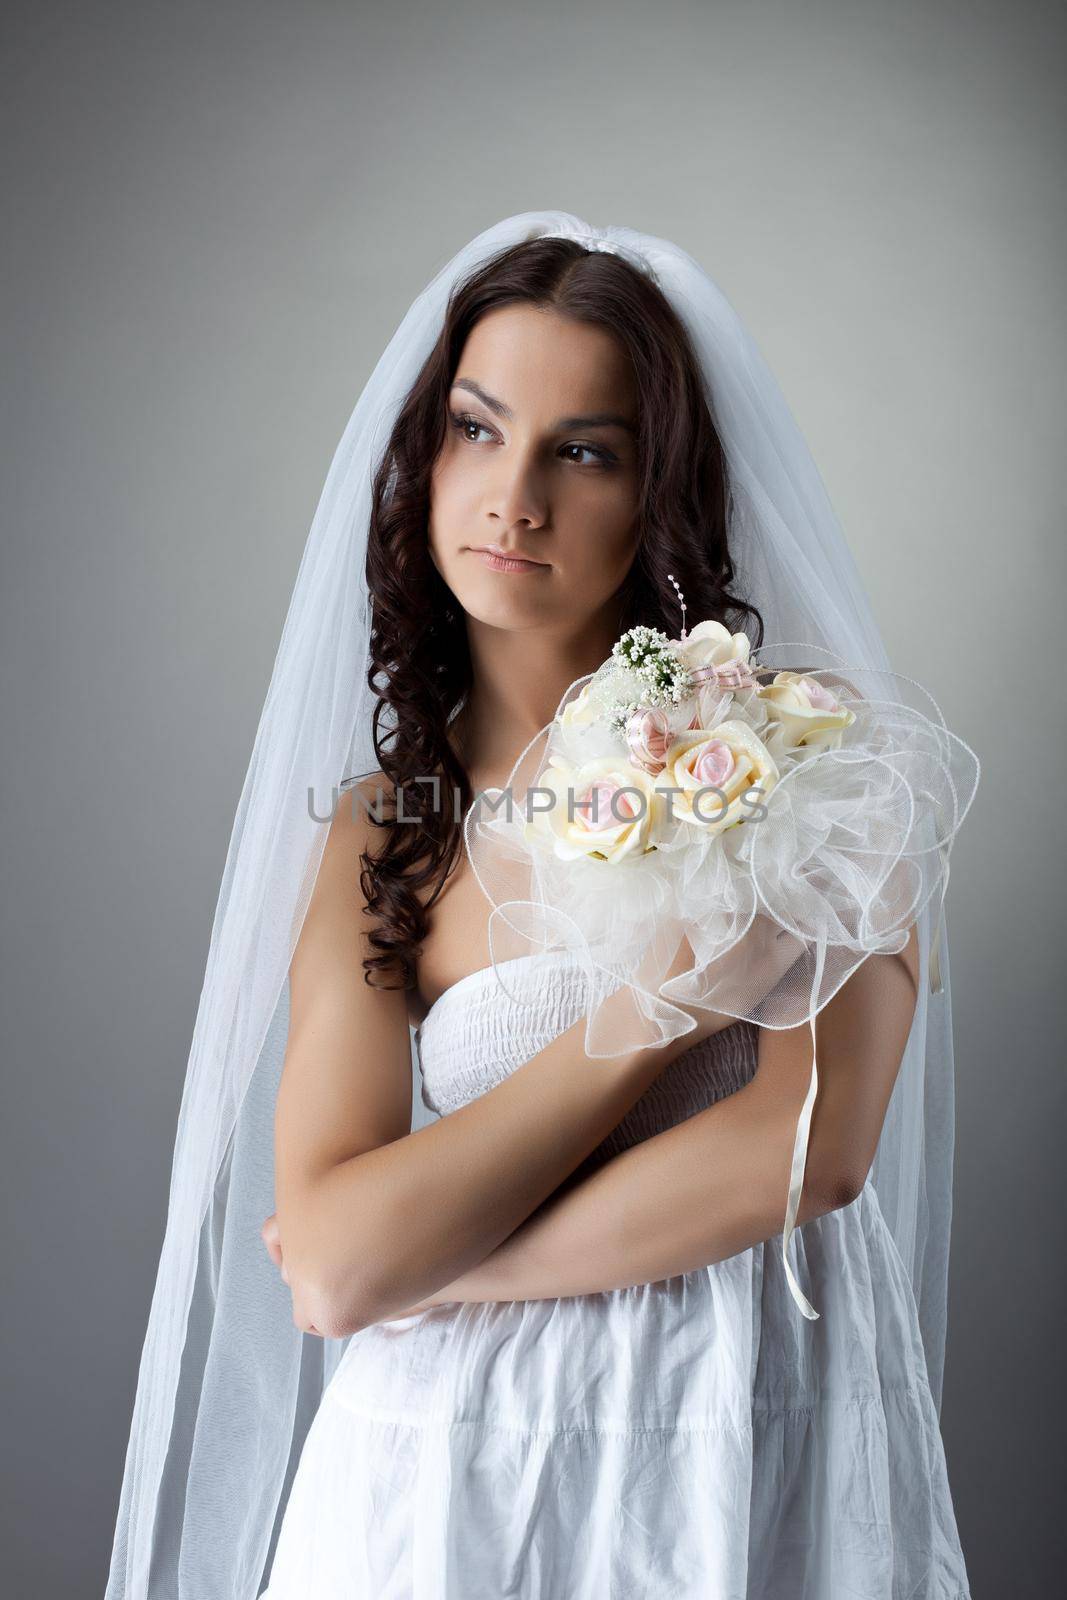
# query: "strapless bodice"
476,1034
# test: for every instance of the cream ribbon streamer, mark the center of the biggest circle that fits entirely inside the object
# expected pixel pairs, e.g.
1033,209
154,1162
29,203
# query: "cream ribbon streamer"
800,1153
803,1129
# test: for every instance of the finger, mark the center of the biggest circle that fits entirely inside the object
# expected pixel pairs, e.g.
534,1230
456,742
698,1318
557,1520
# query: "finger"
272,1239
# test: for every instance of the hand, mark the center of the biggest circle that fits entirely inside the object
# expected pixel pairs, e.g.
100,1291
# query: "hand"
618,1013
708,1022
762,956
272,1238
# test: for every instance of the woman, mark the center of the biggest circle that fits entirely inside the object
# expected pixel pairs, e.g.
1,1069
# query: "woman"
566,1361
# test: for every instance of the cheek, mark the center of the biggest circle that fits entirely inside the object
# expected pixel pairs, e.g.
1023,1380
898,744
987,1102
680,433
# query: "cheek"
447,513
456,493
604,544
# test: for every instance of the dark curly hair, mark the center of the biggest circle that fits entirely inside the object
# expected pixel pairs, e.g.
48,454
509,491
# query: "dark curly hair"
420,663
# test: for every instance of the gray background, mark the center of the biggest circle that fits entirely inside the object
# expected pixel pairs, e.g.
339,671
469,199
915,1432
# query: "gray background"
214,217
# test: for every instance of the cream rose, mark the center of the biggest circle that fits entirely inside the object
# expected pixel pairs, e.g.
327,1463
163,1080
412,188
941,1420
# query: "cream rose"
718,662
590,825
710,644
581,711
729,758
809,715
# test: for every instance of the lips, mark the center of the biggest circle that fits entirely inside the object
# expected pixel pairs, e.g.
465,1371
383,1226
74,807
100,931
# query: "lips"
507,560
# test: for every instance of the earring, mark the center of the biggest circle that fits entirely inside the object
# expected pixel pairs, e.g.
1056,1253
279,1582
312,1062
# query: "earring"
681,600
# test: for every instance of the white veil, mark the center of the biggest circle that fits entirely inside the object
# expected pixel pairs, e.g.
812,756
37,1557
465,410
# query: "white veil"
227,1384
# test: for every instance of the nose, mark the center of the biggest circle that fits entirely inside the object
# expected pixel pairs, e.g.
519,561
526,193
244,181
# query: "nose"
517,497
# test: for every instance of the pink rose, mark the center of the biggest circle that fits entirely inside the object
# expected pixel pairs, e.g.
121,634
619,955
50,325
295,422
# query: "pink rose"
714,764
597,798
819,696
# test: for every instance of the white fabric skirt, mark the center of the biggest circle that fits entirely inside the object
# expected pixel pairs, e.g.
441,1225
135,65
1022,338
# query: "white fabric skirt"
693,1439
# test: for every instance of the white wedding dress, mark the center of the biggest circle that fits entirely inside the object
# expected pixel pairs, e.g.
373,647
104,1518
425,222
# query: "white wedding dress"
692,1439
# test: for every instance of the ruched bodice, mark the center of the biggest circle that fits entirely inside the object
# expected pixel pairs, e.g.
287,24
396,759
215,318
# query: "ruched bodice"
477,1033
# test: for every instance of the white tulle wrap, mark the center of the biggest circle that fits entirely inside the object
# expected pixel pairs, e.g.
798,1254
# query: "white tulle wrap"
814,835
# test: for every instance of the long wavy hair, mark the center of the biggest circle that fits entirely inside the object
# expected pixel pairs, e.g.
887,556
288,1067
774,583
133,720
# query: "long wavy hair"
420,669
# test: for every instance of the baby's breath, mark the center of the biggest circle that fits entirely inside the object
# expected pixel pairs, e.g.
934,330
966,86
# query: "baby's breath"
620,713
659,674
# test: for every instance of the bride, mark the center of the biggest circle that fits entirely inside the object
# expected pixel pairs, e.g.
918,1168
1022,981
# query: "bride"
544,1345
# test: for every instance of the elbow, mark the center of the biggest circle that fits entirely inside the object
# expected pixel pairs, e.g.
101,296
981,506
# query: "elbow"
329,1296
333,1308
357,1289
834,1177
840,1166
835,1186
340,1319
350,1275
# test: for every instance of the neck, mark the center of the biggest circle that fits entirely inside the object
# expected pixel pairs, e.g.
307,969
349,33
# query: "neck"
518,680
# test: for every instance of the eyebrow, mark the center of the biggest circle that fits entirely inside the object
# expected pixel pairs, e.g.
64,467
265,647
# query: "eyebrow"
595,419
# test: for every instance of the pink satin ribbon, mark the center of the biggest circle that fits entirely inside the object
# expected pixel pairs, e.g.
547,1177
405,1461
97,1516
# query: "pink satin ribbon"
731,674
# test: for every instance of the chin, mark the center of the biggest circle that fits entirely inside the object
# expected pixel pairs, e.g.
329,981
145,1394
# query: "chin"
495,610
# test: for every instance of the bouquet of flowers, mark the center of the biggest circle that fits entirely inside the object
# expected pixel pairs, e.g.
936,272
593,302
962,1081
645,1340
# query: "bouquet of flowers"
684,791
701,830
697,742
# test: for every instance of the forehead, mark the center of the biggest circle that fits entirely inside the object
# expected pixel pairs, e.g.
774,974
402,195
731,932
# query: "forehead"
537,360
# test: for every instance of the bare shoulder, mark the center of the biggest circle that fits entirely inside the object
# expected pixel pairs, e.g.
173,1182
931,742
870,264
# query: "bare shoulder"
337,920
358,801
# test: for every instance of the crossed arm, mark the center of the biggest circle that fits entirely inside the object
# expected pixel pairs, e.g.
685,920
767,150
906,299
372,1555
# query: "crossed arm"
696,1193
717,1183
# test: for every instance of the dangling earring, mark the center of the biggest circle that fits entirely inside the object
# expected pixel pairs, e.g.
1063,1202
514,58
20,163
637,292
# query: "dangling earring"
695,722
681,600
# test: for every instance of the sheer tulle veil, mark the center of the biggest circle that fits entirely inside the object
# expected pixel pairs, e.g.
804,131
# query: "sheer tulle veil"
227,1385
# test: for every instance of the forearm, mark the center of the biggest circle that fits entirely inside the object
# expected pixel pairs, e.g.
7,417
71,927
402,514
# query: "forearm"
396,1222
393,1224
717,1183
695,1194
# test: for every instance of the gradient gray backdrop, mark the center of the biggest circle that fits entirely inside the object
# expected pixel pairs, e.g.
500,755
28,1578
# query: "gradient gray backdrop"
214,217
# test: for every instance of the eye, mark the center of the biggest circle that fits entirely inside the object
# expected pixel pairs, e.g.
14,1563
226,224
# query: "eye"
604,457
463,420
